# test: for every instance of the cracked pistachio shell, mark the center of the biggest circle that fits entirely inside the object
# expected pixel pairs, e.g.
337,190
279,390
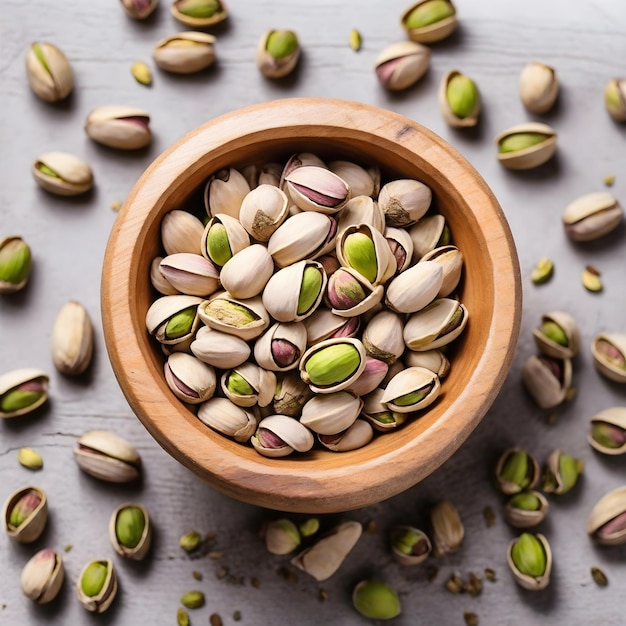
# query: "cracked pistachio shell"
532,583
199,13
280,435
190,379
517,513
291,394
219,349
263,210
121,127
451,260
433,360
22,391
615,99
402,64
62,174
72,339
138,530
401,246
190,274
558,336
440,323
377,413
412,389
534,145
592,216
107,456
609,355
262,383
327,554
223,194
608,431
324,324
222,415
547,380
164,309
361,209
428,233
382,337
358,178
332,413
606,523
561,473
404,201
139,9
43,576
49,72
415,288
246,273
516,470
409,545
281,347
34,523
277,53
223,238
349,294
246,319
281,536
428,21
371,377
306,235
447,528
538,87
357,436
459,100
15,264
185,53
87,584
314,188
181,232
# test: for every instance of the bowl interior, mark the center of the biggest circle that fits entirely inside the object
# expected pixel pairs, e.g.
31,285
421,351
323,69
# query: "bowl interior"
320,481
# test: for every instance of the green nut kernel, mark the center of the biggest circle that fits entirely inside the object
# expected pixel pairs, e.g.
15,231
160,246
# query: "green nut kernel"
528,555
190,541
94,578
192,599
309,527
608,435
129,526
218,245
180,324
569,469
525,502
182,617
18,399
360,254
333,364
230,313
521,141
24,508
376,600
429,13
238,385
516,468
414,397
281,43
41,57
199,8
554,333
410,543
15,261
462,95
309,289
29,458
44,169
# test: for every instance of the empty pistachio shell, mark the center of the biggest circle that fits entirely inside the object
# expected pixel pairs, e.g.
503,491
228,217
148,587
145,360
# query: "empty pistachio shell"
516,471
42,577
181,232
592,216
608,431
246,319
72,339
191,380
357,436
561,473
185,53
277,53
199,13
401,246
547,380
107,456
428,21
22,391
62,174
558,335
15,264
190,274
526,509
25,514
280,435
526,146
530,559
402,64
609,355
538,87
219,349
327,554
409,545
459,100
96,586
222,415
412,389
49,72
130,531
139,9
606,523
125,128
447,528
404,201
376,599
615,99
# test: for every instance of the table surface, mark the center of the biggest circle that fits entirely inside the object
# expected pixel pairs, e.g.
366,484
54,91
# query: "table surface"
585,42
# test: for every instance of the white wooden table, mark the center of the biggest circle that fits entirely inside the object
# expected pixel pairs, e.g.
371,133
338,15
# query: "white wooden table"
586,42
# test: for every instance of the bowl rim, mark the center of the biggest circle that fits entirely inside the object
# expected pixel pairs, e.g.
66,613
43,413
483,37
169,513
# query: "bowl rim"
284,484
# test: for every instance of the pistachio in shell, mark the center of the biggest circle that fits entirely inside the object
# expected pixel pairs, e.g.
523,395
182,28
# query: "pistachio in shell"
222,415
516,471
615,99
526,146
62,174
409,545
96,586
130,531
606,523
428,21
246,319
219,349
547,380
173,319
459,100
357,436
447,528
190,379
15,264
25,514
120,127
48,71
592,216
72,339
199,13
107,456
538,87
608,431
22,391
412,389
43,576
530,560
139,9
526,509
402,64
557,336
609,355
181,232
436,325
185,53
280,435
561,473
278,52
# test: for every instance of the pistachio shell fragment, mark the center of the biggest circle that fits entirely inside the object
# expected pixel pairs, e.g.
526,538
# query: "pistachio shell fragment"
592,216
49,72
121,127
608,431
615,99
130,531
72,339
402,64
609,355
139,9
199,13
15,264
409,545
25,514
62,174
107,456
538,87
376,599
526,146
530,559
22,391
459,100
526,509
428,21
606,523
96,586
43,576
277,53
185,53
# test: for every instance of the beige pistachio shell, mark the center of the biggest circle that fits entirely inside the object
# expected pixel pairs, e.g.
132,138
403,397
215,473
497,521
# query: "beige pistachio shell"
553,349
250,330
190,274
415,288
219,349
382,337
263,210
531,157
401,246
609,507
553,480
17,378
547,389
411,381
185,53
447,528
103,600
107,456
314,188
427,234
404,201
371,377
424,329
72,176
324,324
270,66
270,174
360,179
32,527
280,348
223,194
373,295
238,238
139,9
521,518
447,113
294,436
510,488
409,559
220,14
159,282
246,273
378,414
613,365
291,394
616,417
433,360
402,64
181,232
451,260
329,414
190,379
121,127
163,309
592,216
43,576
183,346
297,160
432,32
263,383
52,81
140,551
361,209
222,415
72,339
327,554
615,99
357,436
538,87
531,583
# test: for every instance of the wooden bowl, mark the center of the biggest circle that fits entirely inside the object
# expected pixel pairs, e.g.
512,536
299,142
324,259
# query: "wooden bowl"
320,481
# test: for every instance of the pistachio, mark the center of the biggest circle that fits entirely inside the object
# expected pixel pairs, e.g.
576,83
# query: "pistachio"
530,560
185,53
378,415
592,216
404,201
173,319
329,414
248,384
538,87
190,541
590,278
382,337
412,389
410,546
401,246
433,360
558,336
526,509
278,53
199,13
561,473
219,349
139,9
107,456
350,294
223,194
25,514
608,431
606,523
281,536
246,319
314,188
355,40
217,244
29,458
357,436
436,325
415,288
547,380
97,585
48,71
459,100
190,274
609,355
270,174
263,210
93,578
516,470
22,391
15,263
182,617
309,527
447,528
372,376
291,394
599,577
72,339
543,271
42,577
615,99
281,347
280,435
376,600
192,599
402,64
125,128
62,174
222,415
526,146
130,531
180,232
428,21
141,73
430,232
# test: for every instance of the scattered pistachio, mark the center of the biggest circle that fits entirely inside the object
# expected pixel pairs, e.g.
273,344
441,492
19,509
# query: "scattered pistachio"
471,619
428,21
141,73
15,263
199,13
543,271
182,617
72,341
139,9
530,559
561,473
309,527
538,87
609,180
97,586
42,577
459,100
190,541
599,577
447,528
192,599
402,64
48,71
474,586
590,279
454,584
376,600
526,146
30,458
355,40
278,53
62,174
121,127
281,536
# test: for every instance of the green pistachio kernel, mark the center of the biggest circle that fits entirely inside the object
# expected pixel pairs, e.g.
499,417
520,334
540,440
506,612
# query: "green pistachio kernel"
309,527
429,13
608,435
41,57
529,556
410,543
446,237
238,385
180,324
94,578
230,313
569,469
310,289
218,245
360,254
521,141
516,469
29,458
525,502
15,261
182,617
414,397
554,333
44,169
612,96
199,8
190,541
24,508
129,526
16,400
192,599
281,43
333,364
376,600
462,95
